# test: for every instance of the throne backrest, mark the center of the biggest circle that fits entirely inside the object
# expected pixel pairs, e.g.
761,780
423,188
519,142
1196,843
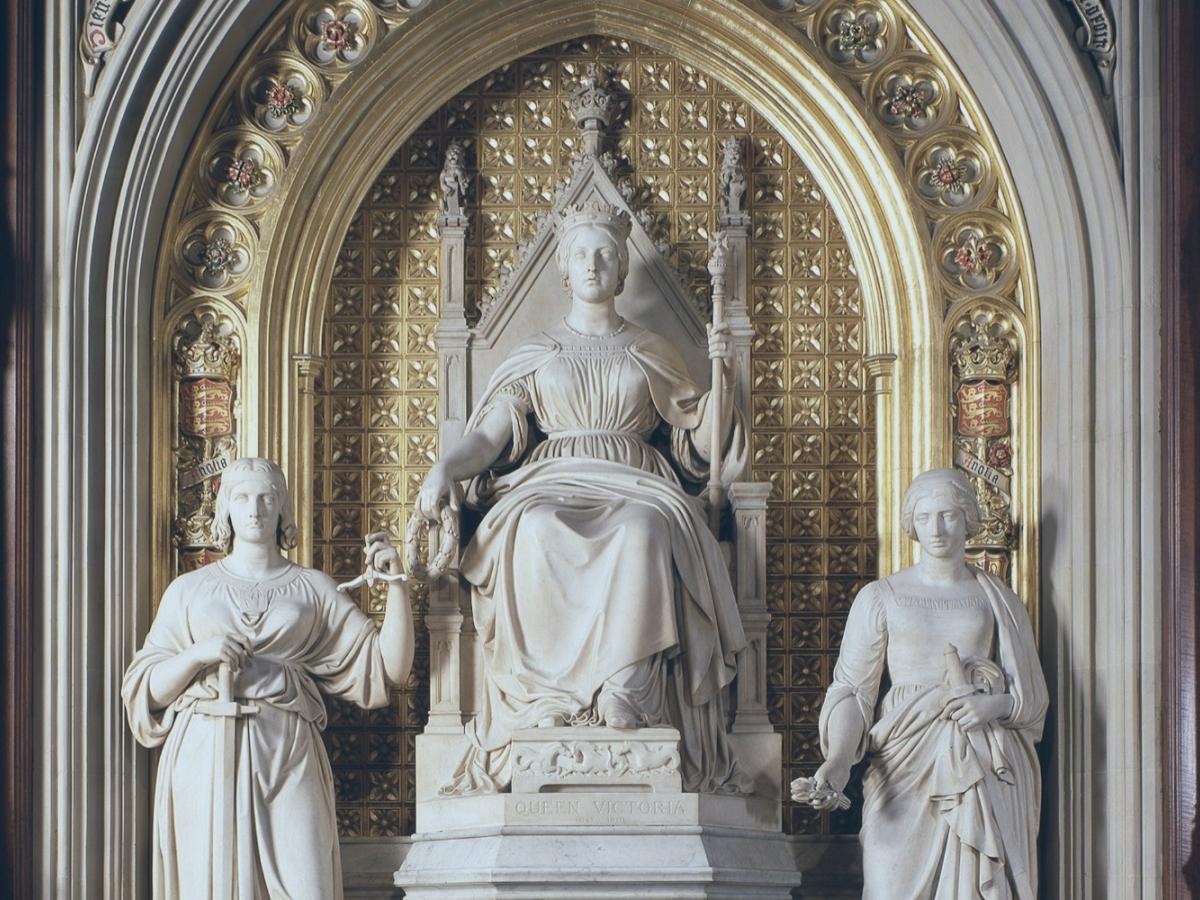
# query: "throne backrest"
531,297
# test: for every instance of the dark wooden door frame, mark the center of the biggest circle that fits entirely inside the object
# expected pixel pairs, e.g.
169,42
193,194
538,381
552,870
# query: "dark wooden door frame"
20,31
1181,431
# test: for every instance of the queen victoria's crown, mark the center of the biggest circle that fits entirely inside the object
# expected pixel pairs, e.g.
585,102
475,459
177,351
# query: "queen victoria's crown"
595,212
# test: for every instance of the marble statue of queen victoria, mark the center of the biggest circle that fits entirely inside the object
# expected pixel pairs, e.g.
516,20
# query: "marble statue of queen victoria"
599,594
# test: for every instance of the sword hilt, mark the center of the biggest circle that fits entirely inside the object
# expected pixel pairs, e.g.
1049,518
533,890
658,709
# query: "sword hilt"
225,705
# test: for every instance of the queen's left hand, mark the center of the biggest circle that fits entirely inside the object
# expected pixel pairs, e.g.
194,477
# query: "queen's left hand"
720,346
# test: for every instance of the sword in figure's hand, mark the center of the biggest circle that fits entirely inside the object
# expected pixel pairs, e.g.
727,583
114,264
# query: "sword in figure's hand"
226,710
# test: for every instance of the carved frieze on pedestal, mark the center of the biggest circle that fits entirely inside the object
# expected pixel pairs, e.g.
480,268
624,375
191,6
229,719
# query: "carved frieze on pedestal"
553,759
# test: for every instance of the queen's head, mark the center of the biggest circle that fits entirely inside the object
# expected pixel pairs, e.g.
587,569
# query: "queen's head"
253,504
593,250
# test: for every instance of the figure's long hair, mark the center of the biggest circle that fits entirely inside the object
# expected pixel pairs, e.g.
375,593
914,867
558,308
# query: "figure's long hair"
951,482
286,532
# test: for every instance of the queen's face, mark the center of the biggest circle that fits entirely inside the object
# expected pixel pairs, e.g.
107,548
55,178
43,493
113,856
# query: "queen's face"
593,265
254,507
940,525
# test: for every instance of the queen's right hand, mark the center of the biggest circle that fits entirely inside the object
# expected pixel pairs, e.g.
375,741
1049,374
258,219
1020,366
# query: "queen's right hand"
436,492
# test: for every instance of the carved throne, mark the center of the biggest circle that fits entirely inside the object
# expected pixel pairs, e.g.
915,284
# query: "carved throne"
717,846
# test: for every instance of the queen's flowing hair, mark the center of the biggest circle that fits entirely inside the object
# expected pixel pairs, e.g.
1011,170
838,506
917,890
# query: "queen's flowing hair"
950,482
286,532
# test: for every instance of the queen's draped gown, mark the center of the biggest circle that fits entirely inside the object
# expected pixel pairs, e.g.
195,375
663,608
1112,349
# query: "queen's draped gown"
303,634
947,814
592,564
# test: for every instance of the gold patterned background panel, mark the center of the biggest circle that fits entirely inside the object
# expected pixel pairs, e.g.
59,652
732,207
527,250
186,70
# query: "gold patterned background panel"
376,402
375,433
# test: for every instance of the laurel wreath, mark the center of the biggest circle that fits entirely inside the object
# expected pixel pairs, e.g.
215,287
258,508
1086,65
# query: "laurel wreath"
417,545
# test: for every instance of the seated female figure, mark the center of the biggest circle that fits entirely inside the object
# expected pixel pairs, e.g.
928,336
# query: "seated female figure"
599,594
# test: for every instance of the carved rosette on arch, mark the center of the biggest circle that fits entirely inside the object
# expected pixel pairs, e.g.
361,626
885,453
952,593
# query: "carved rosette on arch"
975,253
216,253
207,355
910,97
951,172
978,248
281,95
336,35
243,168
858,35
985,355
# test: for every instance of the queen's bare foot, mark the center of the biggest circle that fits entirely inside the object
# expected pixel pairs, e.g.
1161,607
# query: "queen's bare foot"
551,722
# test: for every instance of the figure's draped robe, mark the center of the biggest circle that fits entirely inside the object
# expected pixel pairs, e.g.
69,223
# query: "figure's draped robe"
947,814
285,832
592,558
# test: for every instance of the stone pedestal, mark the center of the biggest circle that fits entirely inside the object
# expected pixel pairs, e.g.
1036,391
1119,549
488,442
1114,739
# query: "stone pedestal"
598,813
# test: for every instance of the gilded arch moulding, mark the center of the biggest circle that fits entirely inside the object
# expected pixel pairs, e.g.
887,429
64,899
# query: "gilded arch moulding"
859,88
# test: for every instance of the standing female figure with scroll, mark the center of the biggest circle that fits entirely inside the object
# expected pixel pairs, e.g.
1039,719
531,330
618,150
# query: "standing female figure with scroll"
951,796
228,683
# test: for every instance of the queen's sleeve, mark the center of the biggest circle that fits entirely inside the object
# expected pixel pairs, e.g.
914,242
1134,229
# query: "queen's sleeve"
168,637
683,406
344,655
860,666
515,400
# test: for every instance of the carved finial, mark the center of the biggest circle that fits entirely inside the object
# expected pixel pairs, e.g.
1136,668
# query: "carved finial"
453,180
593,107
718,255
595,212
733,178
984,347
